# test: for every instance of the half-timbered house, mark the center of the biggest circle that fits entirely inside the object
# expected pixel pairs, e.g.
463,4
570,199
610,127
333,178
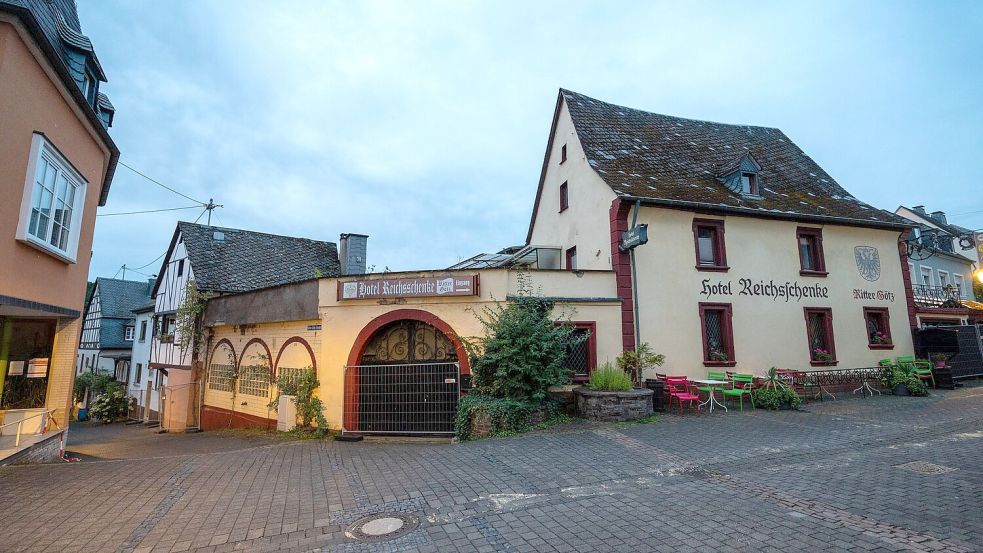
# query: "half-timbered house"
110,327
210,261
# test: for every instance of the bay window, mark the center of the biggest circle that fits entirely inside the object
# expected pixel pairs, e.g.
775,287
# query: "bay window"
54,197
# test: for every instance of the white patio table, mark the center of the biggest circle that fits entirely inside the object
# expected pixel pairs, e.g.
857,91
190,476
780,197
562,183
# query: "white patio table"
713,385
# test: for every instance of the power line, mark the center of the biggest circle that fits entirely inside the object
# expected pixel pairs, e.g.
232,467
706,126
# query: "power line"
162,185
152,262
148,211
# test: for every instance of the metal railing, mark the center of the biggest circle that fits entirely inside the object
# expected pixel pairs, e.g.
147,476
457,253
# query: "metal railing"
415,398
935,296
46,418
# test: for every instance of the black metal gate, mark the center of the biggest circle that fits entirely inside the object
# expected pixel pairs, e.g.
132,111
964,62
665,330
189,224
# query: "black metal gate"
417,398
969,361
408,382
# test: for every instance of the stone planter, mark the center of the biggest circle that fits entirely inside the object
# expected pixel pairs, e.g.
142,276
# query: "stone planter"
613,406
563,395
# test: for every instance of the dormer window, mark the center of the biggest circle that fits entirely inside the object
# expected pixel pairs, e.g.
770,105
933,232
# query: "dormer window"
741,176
749,184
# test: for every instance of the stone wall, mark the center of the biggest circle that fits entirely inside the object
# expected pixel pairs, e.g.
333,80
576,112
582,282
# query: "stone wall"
45,451
613,406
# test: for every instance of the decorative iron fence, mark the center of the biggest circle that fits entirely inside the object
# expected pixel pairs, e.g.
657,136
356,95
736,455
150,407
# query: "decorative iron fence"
416,398
935,296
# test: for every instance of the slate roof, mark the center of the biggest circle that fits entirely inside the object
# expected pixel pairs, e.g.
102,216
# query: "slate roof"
55,26
117,300
679,162
246,260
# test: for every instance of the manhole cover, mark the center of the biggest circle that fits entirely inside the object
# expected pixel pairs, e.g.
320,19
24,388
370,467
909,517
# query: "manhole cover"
381,527
922,467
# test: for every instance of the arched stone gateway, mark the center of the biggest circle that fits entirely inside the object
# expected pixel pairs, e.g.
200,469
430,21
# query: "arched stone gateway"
403,376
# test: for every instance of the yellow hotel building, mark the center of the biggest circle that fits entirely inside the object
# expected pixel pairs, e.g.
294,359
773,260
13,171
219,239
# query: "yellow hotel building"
755,257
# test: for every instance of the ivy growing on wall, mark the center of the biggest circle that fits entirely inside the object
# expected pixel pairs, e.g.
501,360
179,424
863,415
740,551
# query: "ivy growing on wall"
188,319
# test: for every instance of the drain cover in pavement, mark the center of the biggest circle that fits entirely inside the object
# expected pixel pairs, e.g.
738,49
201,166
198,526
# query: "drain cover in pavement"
381,527
922,467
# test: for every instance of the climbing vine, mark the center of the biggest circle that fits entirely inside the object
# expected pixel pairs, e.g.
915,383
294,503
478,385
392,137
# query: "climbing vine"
188,324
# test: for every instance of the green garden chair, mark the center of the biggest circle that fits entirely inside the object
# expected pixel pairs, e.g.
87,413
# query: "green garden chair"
741,385
919,367
712,375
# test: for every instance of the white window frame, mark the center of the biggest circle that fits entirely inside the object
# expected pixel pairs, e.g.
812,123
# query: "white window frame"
957,281
943,278
128,334
931,275
41,148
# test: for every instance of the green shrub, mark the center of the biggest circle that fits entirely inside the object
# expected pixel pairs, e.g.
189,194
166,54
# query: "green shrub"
916,387
523,352
301,386
609,379
111,404
774,397
507,416
94,382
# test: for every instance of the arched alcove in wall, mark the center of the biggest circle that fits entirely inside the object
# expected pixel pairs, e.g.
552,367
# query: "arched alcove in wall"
222,367
255,370
295,354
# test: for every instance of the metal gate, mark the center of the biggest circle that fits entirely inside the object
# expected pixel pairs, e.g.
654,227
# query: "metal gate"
969,361
414,398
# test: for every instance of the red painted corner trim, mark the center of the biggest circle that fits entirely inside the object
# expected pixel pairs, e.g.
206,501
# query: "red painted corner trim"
906,276
621,264
295,340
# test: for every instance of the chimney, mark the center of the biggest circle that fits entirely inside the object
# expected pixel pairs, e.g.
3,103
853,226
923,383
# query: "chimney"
919,209
938,217
352,253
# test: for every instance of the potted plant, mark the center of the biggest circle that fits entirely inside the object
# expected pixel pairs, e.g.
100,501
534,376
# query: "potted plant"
718,355
939,360
820,354
903,381
775,394
880,338
635,362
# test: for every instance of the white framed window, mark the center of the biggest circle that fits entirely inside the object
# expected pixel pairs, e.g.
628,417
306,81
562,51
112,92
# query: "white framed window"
128,336
943,278
957,281
54,198
749,184
926,275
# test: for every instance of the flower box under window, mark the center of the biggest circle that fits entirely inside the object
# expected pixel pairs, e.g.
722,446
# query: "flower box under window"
878,327
716,322
819,334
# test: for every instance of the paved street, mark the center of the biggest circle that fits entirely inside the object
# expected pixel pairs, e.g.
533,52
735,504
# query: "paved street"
824,479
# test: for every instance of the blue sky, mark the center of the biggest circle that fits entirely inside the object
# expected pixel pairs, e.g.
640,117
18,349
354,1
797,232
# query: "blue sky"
424,124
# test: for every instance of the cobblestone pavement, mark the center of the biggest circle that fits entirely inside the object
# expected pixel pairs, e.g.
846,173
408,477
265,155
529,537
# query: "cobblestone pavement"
876,474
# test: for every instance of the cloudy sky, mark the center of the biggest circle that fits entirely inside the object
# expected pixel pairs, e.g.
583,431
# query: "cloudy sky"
424,124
